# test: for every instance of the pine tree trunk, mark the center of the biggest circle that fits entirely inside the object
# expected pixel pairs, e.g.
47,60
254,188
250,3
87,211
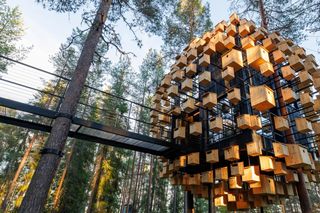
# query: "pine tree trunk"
96,178
141,182
153,184
16,176
150,185
131,181
136,183
123,197
37,193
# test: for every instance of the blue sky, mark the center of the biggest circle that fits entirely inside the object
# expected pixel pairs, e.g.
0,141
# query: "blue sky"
46,30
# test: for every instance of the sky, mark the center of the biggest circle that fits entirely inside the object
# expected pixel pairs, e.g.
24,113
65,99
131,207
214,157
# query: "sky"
45,31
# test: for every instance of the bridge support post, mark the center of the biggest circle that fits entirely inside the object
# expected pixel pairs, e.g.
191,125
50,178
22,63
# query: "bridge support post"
188,202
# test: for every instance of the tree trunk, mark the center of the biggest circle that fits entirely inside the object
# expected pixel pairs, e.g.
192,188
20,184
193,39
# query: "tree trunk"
37,193
123,197
96,177
136,184
153,183
131,180
16,176
150,185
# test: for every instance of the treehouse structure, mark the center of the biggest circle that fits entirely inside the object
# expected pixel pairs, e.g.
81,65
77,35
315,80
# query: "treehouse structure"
244,103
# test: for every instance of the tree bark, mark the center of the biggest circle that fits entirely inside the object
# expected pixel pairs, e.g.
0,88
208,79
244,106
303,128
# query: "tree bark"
150,185
37,192
131,181
123,197
136,183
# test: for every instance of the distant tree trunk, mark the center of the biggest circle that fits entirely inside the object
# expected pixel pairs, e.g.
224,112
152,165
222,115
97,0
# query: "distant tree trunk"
124,191
96,177
150,185
131,180
141,182
136,183
17,174
37,193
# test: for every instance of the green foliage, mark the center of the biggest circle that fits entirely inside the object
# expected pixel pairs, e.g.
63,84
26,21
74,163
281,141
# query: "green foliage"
11,31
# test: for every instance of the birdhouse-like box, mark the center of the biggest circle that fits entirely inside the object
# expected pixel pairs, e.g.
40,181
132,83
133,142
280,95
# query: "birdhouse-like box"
278,56
191,69
290,189
156,98
316,84
237,168
188,105
207,177
196,128
154,120
178,75
209,100
316,128
231,30
305,78
234,19
210,48
288,95
194,158
284,47
247,42
207,36
280,168
268,44
160,90
279,188
280,150
266,163
281,123
212,156
228,74
194,179
234,96
303,125
173,91
266,69
154,114
287,73
262,98
256,56
180,133
291,177
233,58
229,42
166,81
220,201
204,61
244,30
164,118
186,85
298,156
175,110
192,54
232,153
205,78
267,186
182,61
218,41
255,122
221,173
235,182
183,161
231,198
310,67
216,124
306,100
244,121
295,62
251,174
254,148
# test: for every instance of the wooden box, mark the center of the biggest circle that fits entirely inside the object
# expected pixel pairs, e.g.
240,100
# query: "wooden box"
244,30
303,125
204,61
262,98
278,56
280,168
173,91
316,84
210,48
268,44
194,158
178,75
220,27
237,168
284,47
229,42
164,118
266,163
191,69
194,179
209,100
212,156
290,189
316,128
298,156
280,150
305,78
266,69
186,85
232,153
234,19
228,74
205,78
156,98
180,133
267,186
251,174
256,56
218,40
221,173
255,122
288,95
160,91
196,128
279,188
154,114
166,81
244,121
182,161
316,106
295,62
281,123
254,148
287,72
207,36
220,188
154,120
233,58
182,61
231,198
207,177
192,54
306,100
220,201
234,96
175,110
188,105
235,182
231,30
247,42
291,176
216,124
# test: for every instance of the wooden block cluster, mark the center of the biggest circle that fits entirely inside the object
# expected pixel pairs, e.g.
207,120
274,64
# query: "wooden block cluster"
262,98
